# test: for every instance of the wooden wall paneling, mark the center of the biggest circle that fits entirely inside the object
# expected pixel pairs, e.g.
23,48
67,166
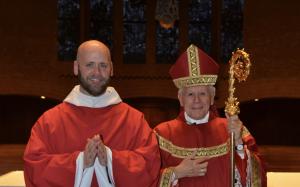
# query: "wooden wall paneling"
281,158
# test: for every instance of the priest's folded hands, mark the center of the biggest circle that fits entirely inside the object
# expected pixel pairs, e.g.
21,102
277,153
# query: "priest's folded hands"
94,148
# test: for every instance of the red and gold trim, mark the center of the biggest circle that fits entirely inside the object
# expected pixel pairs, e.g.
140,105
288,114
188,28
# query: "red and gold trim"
181,152
195,81
255,173
193,59
245,132
166,177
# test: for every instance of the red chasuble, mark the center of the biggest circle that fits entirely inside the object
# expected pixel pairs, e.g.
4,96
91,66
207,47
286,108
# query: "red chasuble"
178,139
61,133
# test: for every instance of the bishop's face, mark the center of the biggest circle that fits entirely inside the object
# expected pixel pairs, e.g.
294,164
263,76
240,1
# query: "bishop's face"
196,100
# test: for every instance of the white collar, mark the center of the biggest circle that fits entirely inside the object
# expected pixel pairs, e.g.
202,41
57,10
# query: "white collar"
191,121
109,97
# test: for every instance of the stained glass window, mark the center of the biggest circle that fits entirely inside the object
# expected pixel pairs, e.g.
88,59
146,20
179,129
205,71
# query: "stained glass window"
200,24
68,29
134,21
232,27
134,29
167,44
101,21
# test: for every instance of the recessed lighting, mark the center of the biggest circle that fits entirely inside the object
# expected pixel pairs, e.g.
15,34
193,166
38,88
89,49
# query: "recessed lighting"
43,97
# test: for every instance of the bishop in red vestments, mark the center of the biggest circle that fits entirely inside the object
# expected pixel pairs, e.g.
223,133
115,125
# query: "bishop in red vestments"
195,146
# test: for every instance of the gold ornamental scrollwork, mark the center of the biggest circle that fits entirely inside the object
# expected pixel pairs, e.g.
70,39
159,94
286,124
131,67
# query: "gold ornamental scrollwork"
239,69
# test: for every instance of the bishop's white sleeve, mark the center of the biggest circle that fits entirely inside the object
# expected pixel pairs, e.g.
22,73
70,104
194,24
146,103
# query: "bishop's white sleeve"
105,173
83,177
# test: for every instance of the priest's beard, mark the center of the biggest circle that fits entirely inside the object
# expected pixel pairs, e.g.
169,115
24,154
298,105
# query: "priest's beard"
94,90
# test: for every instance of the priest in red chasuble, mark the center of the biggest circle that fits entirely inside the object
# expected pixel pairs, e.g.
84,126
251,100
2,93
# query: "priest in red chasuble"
92,138
195,146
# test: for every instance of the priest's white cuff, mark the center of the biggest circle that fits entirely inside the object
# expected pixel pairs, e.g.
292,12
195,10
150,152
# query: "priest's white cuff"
104,173
83,177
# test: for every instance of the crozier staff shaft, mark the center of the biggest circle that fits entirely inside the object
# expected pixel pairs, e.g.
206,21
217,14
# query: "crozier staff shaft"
239,69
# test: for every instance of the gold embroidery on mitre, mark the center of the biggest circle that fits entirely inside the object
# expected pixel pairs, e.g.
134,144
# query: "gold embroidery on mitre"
181,152
195,81
193,61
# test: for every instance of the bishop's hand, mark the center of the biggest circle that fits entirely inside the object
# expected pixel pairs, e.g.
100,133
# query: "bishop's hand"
191,167
235,125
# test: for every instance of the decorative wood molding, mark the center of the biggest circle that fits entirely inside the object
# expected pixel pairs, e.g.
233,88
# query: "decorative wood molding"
138,77
281,158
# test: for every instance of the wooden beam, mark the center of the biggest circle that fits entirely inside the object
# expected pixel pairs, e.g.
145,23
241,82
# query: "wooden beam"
216,22
84,20
117,53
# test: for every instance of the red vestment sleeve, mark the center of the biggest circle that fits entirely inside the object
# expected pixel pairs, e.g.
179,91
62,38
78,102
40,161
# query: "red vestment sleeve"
42,168
259,173
139,166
